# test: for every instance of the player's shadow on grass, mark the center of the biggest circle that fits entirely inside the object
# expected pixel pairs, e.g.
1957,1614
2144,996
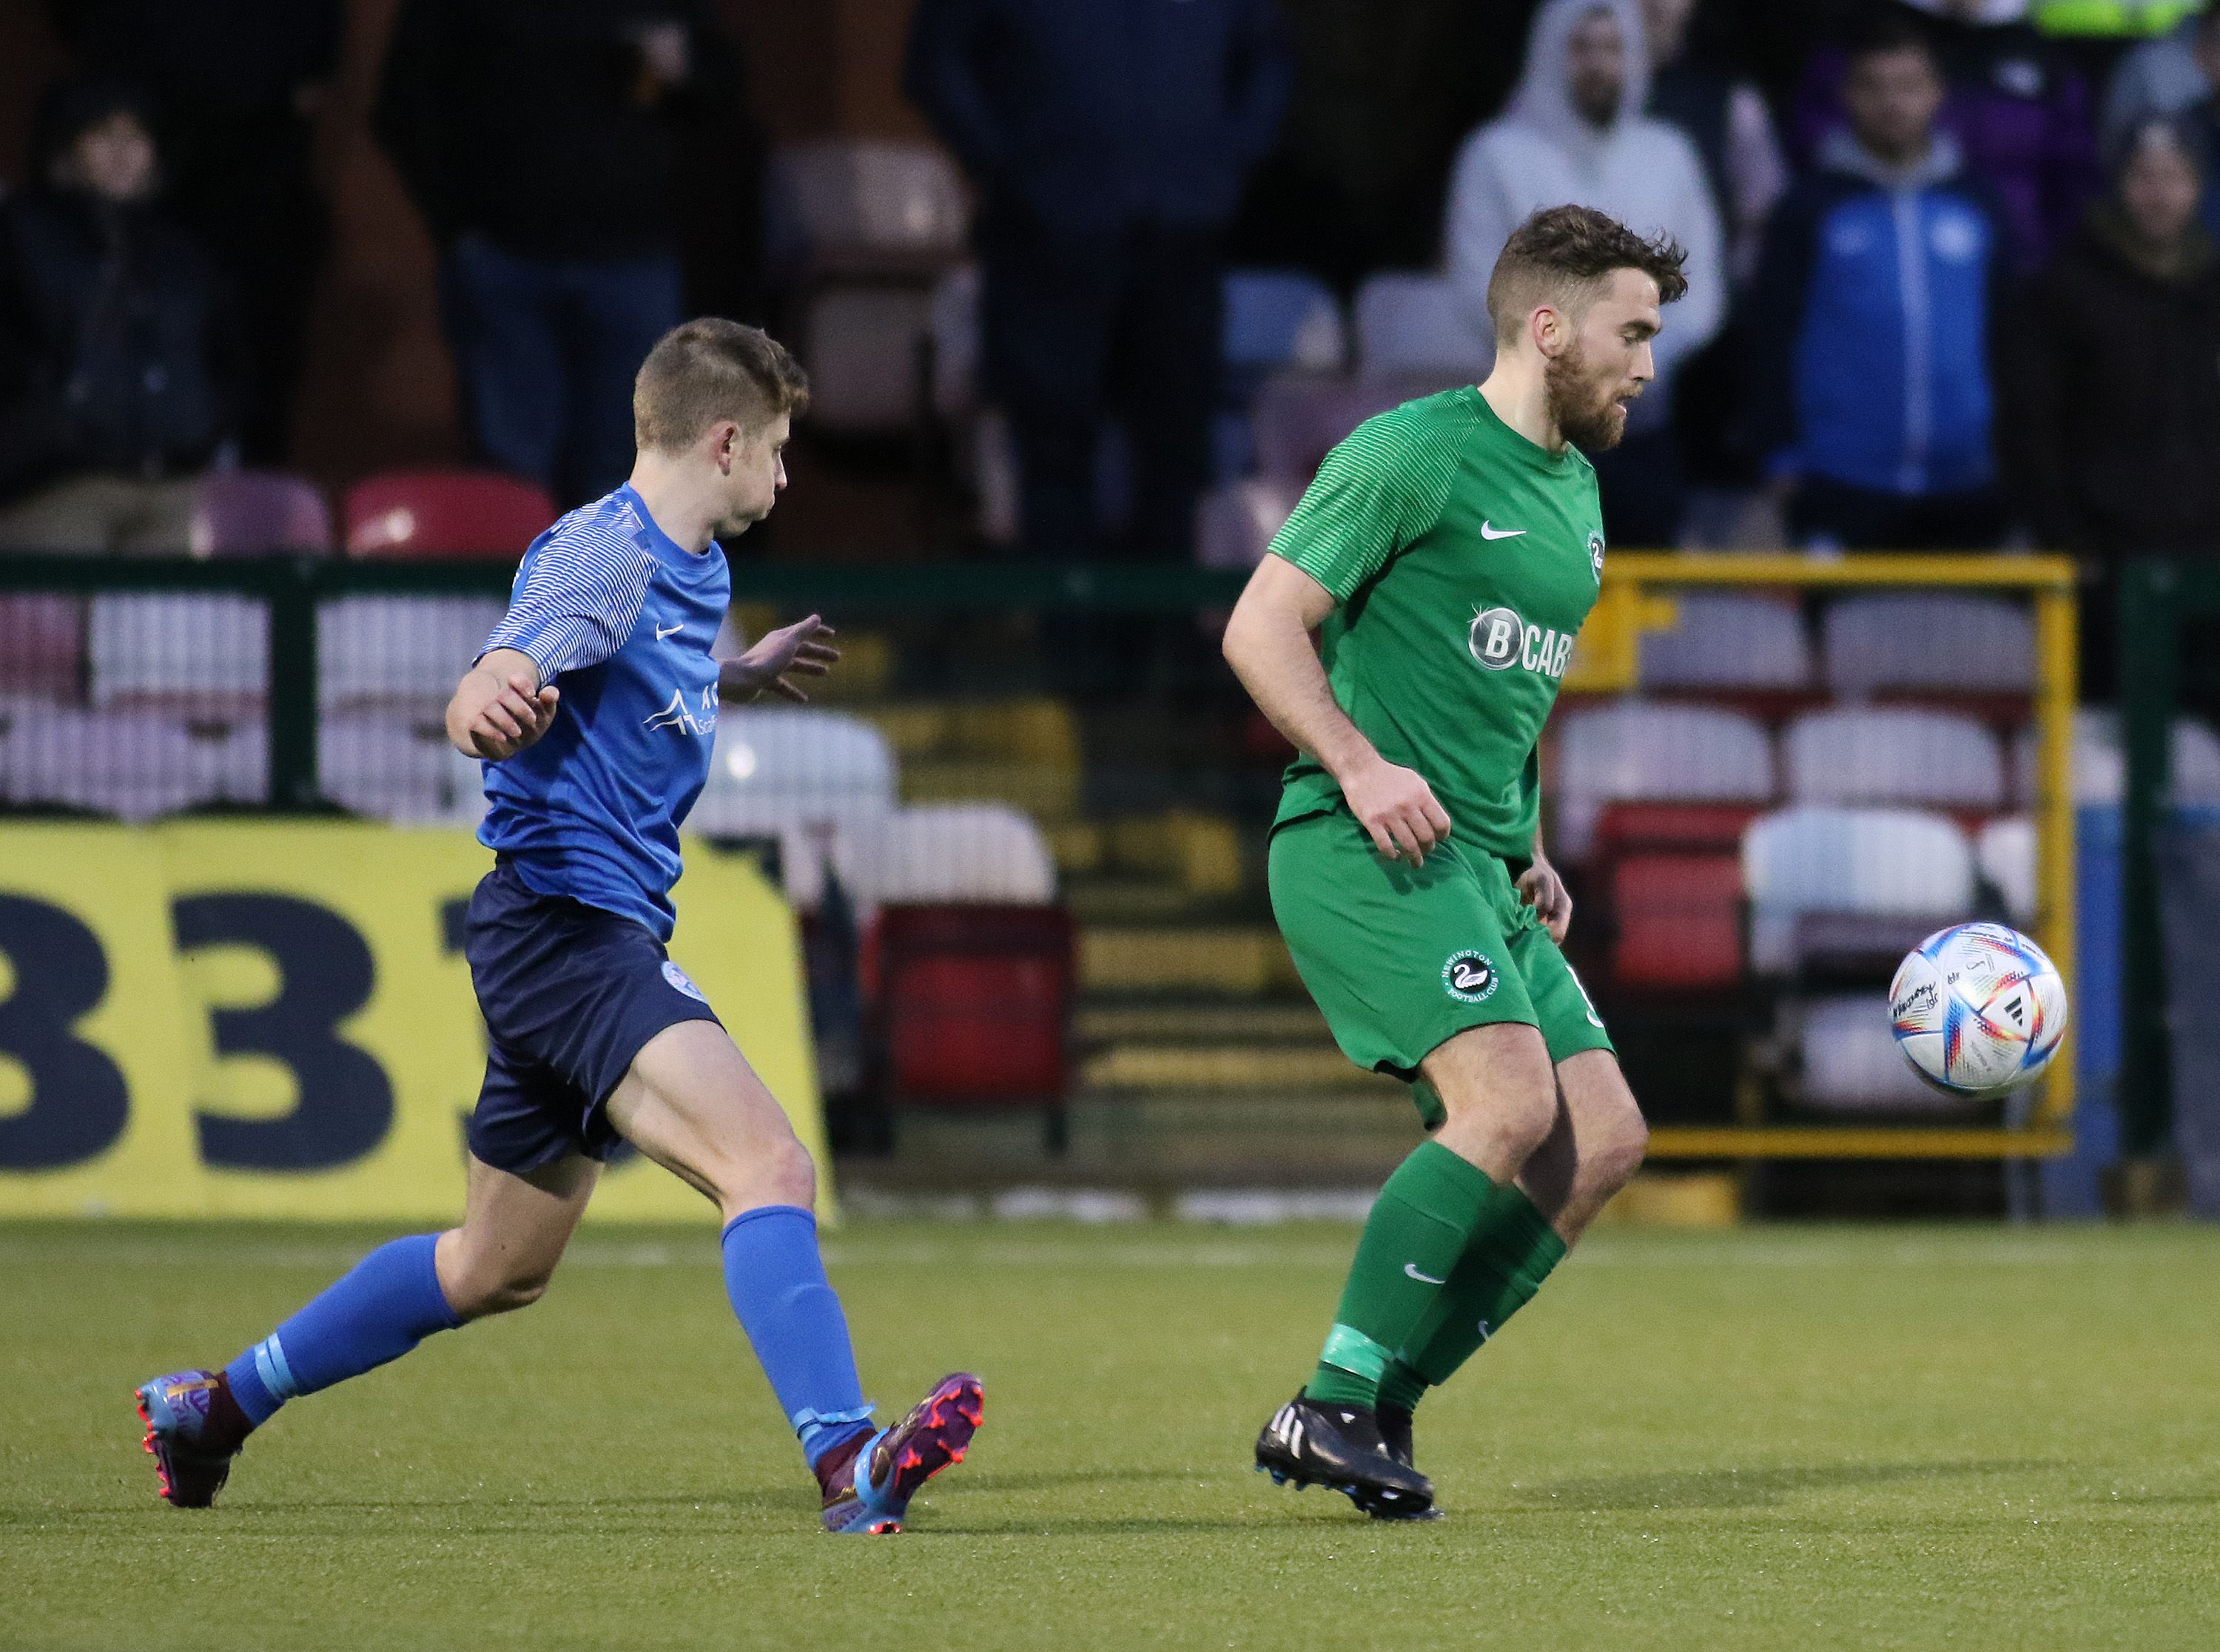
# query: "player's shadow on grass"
1727,1489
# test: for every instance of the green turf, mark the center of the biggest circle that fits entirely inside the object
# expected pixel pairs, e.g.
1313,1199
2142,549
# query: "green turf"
1773,1438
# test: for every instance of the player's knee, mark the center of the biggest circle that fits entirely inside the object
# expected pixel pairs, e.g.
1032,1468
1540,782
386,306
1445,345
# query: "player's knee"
1529,1113
1622,1143
777,1171
482,1291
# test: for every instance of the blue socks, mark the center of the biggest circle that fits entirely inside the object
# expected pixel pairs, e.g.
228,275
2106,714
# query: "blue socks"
392,1301
389,1303
776,1279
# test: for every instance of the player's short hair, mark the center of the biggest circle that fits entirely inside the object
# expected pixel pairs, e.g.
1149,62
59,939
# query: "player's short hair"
1562,256
710,369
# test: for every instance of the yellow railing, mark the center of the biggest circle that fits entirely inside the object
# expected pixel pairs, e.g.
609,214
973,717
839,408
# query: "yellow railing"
1637,597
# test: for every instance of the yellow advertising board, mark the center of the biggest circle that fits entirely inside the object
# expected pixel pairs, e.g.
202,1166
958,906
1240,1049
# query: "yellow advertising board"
275,1018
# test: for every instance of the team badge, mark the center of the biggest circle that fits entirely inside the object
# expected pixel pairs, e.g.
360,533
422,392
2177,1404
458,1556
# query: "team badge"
1470,978
678,978
1595,555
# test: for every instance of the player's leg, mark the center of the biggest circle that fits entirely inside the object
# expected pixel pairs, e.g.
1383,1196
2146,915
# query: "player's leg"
1410,968
1594,1145
691,1102
512,1233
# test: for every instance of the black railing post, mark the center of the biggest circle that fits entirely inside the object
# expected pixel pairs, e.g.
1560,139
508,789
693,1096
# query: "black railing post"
2150,622
293,685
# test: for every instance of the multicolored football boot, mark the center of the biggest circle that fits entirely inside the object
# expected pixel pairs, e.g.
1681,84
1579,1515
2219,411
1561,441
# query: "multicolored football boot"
194,1429
871,1495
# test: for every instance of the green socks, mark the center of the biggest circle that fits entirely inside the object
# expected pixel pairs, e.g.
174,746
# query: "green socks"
1497,1275
1420,1228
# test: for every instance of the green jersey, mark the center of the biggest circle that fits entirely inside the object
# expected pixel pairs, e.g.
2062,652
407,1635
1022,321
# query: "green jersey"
1464,558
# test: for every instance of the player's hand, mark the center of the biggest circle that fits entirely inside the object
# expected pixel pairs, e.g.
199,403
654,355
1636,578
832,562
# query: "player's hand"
1540,887
1397,807
497,713
802,649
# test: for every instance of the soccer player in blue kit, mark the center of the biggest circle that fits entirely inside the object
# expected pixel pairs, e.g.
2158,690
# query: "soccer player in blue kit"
594,705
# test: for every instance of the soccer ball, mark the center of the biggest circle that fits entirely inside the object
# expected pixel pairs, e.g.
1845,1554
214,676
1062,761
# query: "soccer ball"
1977,1010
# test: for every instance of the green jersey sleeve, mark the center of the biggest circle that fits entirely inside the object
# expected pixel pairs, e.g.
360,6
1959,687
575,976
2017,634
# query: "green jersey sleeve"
1379,490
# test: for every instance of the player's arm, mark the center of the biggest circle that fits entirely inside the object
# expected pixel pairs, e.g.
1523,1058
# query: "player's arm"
500,707
1268,644
803,649
1542,888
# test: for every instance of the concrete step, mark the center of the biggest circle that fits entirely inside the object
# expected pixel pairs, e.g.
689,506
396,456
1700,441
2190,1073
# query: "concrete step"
1273,1069
1233,960
1198,1021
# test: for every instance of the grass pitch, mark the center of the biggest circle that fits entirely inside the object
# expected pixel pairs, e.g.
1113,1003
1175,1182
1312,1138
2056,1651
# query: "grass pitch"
1807,1439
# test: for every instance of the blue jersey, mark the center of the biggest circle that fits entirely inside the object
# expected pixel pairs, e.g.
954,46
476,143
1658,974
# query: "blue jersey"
621,619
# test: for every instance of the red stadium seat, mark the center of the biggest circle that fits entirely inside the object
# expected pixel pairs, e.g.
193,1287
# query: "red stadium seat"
975,1007
1677,922
443,515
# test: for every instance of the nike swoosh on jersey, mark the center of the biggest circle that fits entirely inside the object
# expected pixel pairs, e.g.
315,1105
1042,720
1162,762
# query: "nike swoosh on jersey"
1411,1269
1489,530
661,631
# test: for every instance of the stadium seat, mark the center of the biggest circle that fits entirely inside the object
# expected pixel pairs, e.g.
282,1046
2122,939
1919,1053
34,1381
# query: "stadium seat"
134,764
398,653
974,1006
1890,874
863,346
206,657
1848,1060
1864,754
441,516
2100,763
1413,329
1299,419
943,853
2005,854
1236,521
773,766
1723,640
1676,922
391,766
1635,749
864,205
259,513
1936,641
41,646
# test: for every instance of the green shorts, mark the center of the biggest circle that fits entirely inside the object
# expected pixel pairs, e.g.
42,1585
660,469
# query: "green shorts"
1401,960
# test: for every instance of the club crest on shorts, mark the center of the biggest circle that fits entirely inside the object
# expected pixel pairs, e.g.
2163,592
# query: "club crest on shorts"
1469,977
678,978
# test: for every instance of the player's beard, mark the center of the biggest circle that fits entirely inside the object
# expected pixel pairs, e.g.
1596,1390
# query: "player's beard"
1589,414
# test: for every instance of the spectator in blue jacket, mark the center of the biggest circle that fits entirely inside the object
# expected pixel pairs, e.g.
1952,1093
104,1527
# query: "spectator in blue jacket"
1109,142
1872,311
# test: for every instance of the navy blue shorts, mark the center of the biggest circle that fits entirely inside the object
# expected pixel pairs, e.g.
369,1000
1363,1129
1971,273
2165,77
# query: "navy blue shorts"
570,993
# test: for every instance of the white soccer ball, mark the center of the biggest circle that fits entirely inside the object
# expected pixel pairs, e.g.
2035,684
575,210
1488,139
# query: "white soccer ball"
1977,1010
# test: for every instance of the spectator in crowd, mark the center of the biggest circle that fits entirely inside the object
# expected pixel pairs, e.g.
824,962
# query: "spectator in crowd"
118,358
2178,70
2110,426
1725,116
1109,142
2015,109
543,141
1870,317
234,90
1574,134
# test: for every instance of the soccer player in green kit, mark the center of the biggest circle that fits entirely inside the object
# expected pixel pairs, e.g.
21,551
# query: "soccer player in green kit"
1448,551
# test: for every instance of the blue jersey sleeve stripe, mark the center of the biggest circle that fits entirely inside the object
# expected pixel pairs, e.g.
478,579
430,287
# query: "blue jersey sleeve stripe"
578,602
